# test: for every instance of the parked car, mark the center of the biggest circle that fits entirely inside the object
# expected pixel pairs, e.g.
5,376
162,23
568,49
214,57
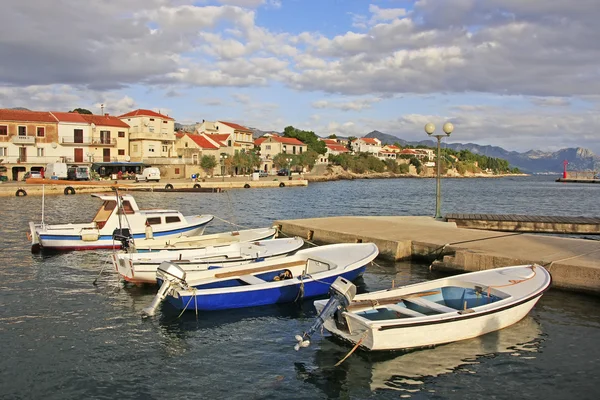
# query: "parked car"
148,174
283,172
81,173
32,174
261,173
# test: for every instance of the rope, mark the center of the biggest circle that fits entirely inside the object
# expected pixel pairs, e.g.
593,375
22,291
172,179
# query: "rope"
568,258
231,223
353,349
513,281
279,231
101,270
186,306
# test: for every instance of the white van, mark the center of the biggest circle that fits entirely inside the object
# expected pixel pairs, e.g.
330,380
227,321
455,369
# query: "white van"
56,171
148,174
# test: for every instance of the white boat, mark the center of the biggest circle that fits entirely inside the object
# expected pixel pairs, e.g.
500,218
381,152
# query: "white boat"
431,313
197,242
116,213
308,273
141,267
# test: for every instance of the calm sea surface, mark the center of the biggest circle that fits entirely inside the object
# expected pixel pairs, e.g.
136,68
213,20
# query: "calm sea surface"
63,338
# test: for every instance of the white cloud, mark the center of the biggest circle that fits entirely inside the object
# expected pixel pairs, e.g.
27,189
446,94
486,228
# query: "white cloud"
345,105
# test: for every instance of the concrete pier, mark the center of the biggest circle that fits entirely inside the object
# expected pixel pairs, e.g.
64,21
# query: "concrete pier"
174,185
573,263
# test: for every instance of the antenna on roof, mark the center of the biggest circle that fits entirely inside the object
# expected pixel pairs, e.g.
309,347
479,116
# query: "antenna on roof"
102,109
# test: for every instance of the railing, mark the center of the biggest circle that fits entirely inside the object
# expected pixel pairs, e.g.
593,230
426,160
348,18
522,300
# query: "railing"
151,135
88,141
20,139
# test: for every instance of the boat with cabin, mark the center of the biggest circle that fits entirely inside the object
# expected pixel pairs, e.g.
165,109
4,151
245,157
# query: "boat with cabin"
118,213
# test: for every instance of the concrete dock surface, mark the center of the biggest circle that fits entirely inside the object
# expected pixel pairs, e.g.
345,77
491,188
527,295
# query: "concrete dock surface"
573,263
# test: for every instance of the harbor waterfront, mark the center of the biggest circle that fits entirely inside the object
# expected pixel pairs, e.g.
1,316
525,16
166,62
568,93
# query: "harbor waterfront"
64,338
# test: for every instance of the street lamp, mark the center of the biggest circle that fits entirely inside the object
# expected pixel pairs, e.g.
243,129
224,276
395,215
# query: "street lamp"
289,160
430,128
223,157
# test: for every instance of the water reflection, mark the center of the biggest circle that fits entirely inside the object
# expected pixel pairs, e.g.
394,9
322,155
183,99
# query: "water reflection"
409,372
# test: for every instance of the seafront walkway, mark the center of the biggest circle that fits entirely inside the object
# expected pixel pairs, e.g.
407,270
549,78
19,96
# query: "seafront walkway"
573,263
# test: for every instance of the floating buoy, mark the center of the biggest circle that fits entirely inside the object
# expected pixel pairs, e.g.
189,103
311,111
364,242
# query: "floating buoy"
20,193
197,186
246,186
281,184
168,186
69,190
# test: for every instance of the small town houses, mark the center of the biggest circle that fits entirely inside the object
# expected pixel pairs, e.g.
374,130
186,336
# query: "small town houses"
29,140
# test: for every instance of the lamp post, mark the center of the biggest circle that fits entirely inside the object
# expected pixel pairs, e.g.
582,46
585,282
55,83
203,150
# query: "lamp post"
430,128
289,160
223,157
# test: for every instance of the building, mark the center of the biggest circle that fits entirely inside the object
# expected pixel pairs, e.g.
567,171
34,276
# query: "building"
192,147
366,145
270,146
334,150
387,155
391,148
151,135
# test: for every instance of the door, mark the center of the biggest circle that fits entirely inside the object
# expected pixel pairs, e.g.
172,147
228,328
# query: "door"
78,156
106,155
22,154
78,136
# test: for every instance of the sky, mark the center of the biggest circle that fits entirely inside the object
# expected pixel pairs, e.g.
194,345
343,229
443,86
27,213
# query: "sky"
520,74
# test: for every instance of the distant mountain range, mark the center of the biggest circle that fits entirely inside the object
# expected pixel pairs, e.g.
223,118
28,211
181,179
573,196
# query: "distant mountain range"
533,161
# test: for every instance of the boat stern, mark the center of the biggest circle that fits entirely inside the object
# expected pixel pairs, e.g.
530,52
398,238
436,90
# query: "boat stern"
32,235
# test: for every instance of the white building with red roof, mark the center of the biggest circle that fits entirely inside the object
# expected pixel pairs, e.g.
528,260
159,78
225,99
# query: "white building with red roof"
366,145
333,149
151,135
270,146
239,137
191,146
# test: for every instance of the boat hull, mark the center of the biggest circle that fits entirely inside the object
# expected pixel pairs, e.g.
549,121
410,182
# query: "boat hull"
270,293
54,242
433,334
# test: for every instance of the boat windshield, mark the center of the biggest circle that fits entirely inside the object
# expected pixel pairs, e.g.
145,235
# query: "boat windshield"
127,208
104,212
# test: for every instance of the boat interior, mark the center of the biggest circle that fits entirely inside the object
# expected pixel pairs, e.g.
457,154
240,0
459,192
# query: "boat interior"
448,299
299,269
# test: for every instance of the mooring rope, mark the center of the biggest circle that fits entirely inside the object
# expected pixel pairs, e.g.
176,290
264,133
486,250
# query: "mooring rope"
353,349
551,263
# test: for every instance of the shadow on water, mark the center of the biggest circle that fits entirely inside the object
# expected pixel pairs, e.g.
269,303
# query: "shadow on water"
411,371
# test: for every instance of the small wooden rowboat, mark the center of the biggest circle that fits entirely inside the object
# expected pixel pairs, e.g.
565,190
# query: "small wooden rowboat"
431,313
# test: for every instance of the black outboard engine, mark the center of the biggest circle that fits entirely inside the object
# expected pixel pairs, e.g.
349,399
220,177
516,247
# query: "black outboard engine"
124,236
342,292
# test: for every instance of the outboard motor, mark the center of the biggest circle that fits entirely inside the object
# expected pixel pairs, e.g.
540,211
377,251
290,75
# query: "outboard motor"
124,236
171,275
342,292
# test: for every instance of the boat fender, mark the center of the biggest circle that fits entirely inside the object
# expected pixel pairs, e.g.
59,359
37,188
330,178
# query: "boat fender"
168,186
281,184
20,193
246,186
197,186
69,190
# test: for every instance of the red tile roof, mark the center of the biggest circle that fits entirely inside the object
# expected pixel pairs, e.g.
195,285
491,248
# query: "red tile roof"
330,141
259,141
104,120
236,126
369,140
279,139
202,142
393,147
338,148
409,151
68,117
221,137
25,116
145,113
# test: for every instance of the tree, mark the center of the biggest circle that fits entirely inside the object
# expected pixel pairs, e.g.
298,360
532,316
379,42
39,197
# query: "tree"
332,136
307,159
350,140
309,138
208,163
281,160
81,111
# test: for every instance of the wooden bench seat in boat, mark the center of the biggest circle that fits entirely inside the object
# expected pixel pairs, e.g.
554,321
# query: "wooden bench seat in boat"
252,280
249,271
405,311
420,301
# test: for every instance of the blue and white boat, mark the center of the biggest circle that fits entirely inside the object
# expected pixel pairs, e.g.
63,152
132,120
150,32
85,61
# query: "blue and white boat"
308,273
117,212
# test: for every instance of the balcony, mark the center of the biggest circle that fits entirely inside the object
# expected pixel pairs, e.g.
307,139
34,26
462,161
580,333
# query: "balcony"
20,139
165,137
86,141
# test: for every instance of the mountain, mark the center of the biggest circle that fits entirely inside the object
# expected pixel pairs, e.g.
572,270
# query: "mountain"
533,161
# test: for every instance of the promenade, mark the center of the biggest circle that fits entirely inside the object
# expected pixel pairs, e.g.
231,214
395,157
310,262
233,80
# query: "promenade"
573,263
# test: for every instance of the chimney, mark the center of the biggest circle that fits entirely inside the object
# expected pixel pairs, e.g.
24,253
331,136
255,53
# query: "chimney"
106,114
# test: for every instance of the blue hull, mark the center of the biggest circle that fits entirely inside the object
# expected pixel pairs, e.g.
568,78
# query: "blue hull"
260,297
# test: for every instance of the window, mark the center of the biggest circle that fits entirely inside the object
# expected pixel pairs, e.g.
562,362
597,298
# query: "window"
268,147
151,119
121,152
41,131
165,122
40,152
3,151
105,137
127,208
121,134
153,221
229,143
151,149
22,131
170,220
165,149
177,170
3,130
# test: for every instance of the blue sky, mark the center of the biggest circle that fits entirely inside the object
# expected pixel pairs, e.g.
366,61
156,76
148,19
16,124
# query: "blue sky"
521,75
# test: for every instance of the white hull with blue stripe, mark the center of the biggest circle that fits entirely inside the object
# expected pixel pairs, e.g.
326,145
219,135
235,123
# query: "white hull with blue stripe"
115,213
